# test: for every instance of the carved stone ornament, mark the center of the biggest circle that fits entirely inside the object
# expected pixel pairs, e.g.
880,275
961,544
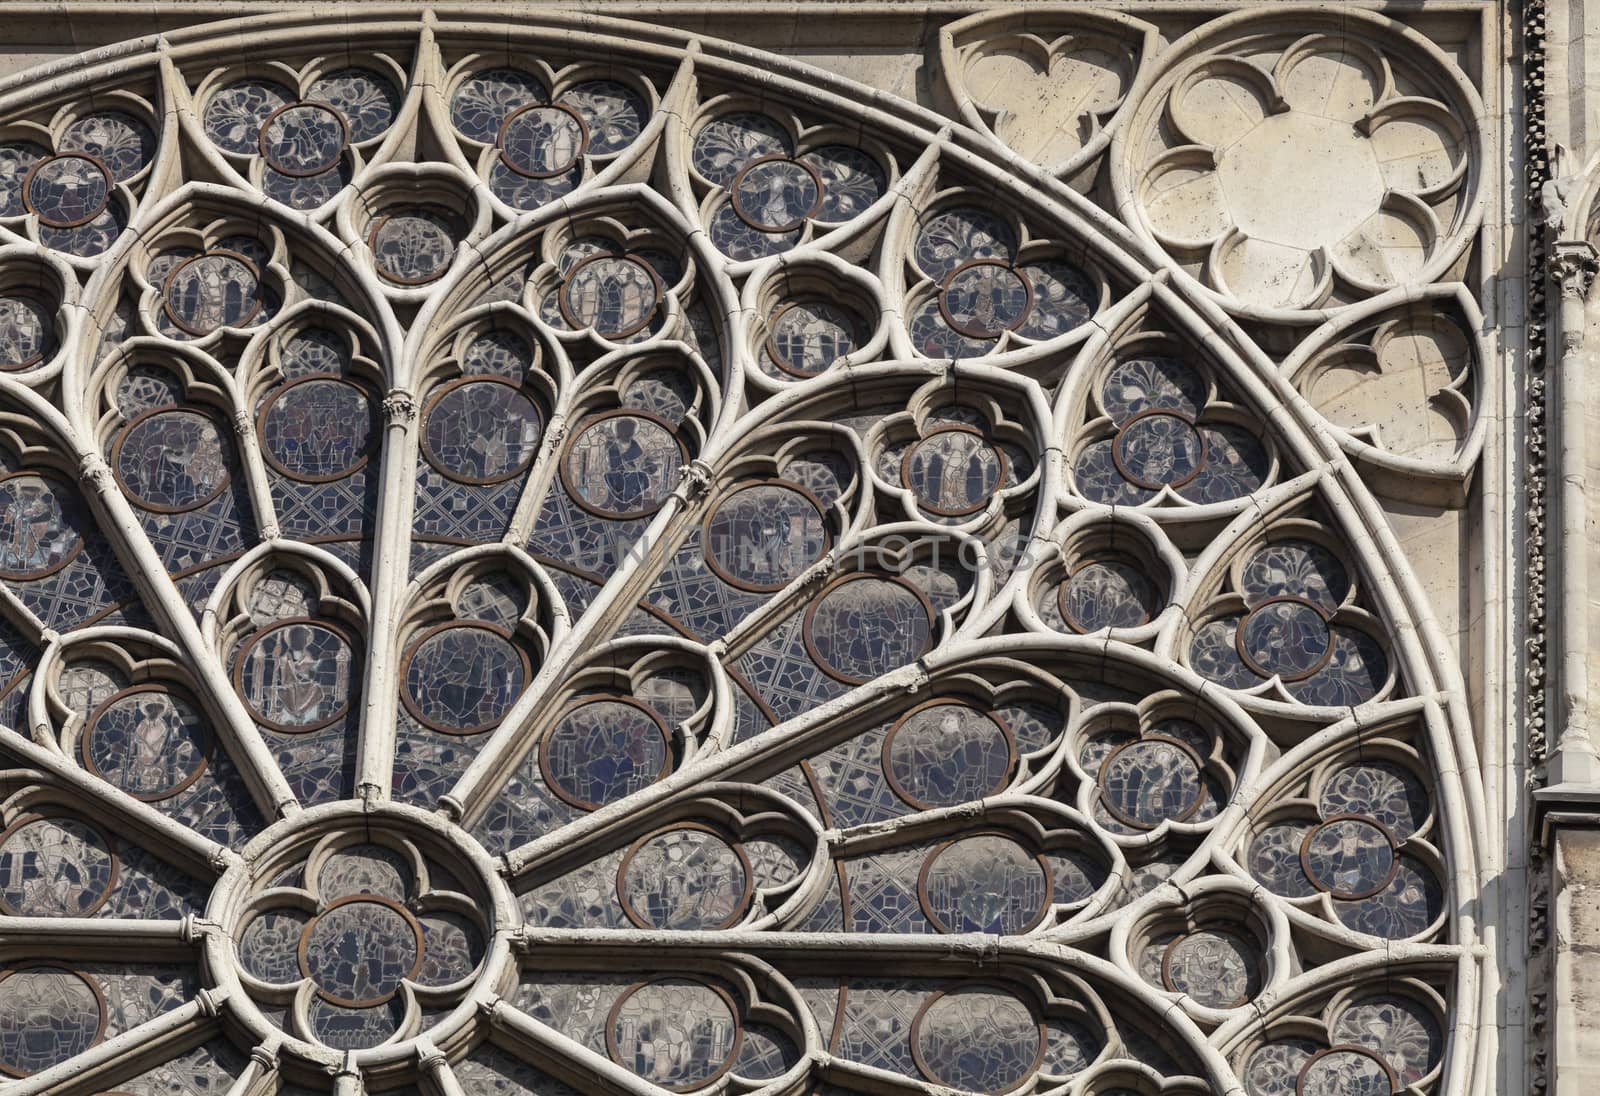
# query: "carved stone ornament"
854,598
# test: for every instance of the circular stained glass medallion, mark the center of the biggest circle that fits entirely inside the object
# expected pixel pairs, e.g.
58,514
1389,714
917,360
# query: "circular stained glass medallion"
170,460
304,139
1151,780
863,626
674,1032
776,194
413,246
317,429
543,140
1350,856
1214,967
55,866
38,533
977,1039
1107,593
27,332
616,295
764,536
1285,636
954,471
622,464
462,678
296,675
806,337
984,299
984,883
1156,449
148,742
944,753
47,1015
1345,1071
481,430
685,878
603,750
68,190
359,950
211,291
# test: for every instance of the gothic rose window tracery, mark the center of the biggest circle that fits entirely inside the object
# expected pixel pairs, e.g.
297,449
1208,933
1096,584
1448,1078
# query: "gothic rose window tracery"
546,561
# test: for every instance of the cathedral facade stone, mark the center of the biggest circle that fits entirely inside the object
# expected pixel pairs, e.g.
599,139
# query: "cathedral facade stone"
807,548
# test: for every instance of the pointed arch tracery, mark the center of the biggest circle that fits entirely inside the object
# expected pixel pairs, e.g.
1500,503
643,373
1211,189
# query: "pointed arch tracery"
556,557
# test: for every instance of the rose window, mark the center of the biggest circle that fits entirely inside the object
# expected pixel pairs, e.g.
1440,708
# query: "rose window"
549,557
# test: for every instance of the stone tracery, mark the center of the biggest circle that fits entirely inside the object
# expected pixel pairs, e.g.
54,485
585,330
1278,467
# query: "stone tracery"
778,541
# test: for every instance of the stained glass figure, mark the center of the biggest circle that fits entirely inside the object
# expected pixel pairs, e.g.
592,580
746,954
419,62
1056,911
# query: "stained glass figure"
1150,781
211,291
806,337
765,536
673,1032
1285,636
603,750
38,526
296,675
462,678
481,431
303,139
1216,967
55,866
414,246
863,626
148,742
953,471
1345,1071
977,1039
777,194
1107,593
685,878
945,753
623,464
1350,857
171,460
983,299
47,1015
360,949
1156,449
27,332
617,295
68,190
543,140
318,429
984,883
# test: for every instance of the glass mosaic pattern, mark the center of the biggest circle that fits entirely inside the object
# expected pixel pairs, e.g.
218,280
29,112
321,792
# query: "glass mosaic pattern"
558,547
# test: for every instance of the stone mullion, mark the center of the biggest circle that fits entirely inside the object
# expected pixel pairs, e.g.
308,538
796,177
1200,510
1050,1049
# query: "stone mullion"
250,752
391,569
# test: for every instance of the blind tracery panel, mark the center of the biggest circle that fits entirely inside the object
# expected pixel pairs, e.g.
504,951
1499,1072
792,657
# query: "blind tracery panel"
530,573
